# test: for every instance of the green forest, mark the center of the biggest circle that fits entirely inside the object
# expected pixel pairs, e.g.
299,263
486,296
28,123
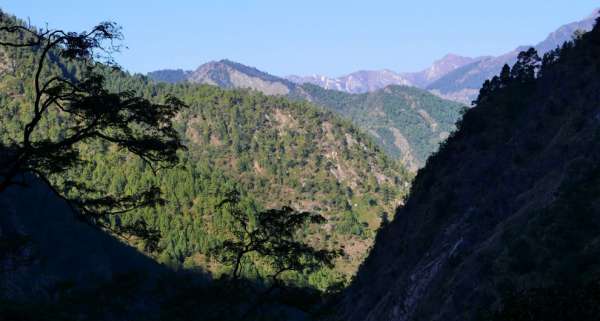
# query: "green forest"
275,152
126,198
408,122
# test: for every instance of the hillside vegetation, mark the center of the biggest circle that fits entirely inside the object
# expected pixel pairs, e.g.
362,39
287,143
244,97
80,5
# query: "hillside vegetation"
275,152
503,222
408,122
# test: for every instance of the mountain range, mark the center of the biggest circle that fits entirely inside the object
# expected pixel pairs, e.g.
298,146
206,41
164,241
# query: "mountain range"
370,80
409,134
453,77
407,122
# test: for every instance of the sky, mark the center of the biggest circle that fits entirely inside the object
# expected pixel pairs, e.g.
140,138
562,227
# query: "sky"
330,37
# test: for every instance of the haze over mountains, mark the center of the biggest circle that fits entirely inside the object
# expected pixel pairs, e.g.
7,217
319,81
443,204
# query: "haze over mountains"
371,80
453,77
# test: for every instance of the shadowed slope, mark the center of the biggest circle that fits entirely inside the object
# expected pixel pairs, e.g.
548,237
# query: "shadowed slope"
510,203
62,248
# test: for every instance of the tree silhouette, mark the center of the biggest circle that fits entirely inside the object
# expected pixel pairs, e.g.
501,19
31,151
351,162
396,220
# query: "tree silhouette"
272,235
528,63
90,113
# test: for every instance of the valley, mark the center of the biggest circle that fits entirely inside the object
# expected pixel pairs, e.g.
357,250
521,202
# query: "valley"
464,191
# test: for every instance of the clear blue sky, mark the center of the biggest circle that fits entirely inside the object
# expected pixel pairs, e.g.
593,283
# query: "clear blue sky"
329,37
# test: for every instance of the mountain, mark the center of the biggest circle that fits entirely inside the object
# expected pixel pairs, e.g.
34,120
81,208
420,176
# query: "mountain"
227,74
463,84
372,80
355,83
408,122
452,77
504,220
438,69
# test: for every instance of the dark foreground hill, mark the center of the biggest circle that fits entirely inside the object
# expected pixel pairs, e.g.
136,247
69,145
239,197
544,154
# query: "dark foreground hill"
506,216
54,267
61,255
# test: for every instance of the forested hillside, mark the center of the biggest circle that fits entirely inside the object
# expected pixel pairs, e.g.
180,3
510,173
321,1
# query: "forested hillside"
273,151
408,122
279,153
503,222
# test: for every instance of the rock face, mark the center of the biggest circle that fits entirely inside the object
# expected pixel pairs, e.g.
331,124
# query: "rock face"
438,69
509,203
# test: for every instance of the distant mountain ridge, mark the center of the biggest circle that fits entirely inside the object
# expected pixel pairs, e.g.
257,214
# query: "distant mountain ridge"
452,77
462,84
355,83
227,74
407,122
371,80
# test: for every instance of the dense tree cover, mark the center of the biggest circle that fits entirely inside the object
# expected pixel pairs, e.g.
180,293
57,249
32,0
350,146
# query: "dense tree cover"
279,153
423,119
275,152
506,216
556,303
272,237
88,113
407,122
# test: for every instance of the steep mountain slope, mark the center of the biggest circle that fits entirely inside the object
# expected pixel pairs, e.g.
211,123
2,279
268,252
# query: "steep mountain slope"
68,269
408,122
63,256
509,203
463,83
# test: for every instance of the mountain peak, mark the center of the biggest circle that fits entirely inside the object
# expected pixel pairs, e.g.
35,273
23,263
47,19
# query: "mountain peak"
594,14
453,56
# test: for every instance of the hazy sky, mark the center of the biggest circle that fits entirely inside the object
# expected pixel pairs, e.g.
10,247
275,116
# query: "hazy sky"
329,37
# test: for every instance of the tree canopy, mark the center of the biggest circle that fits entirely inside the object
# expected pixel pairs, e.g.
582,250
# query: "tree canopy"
88,112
